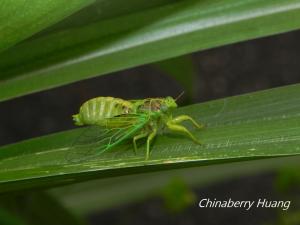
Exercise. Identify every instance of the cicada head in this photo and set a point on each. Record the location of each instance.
(168, 104)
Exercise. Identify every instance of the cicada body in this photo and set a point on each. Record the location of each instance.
(116, 120)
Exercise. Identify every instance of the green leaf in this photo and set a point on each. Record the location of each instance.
(292, 217)
(177, 195)
(21, 19)
(105, 9)
(103, 194)
(34, 207)
(8, 218)
(288, 178)
(258, 125)
(139, 38)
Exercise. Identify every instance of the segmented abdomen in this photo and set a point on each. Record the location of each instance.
(97, 109)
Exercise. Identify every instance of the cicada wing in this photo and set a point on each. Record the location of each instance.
(95, 140)
(85, 145)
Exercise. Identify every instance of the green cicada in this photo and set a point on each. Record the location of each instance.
(117, 120)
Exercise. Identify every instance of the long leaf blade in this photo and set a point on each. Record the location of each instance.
(103, 194)
(139, 38)
(252, 126)
(21, 19)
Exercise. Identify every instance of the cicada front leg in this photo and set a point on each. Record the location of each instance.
(150, 134)
(182, 118)
(174, 126)
(137, 137)
(149, 140)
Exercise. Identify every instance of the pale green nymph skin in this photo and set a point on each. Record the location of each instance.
(96, 110)
(142, 118)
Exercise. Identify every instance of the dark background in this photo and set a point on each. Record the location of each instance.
(226, 71)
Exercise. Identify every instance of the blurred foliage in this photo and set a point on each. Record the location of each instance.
(7, 218)
(36, 208)
(287, 183)
(288, 179)
(33, 15)
(289, 218)
(177, 195)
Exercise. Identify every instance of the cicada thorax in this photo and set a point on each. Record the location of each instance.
(96, 111)
(150, 105)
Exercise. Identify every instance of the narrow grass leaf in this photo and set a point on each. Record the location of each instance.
(252, 126)
(138, 38)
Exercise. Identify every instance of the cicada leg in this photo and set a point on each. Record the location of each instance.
(137, 137)
(182, 118)
(181, 129)
(149, 140)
